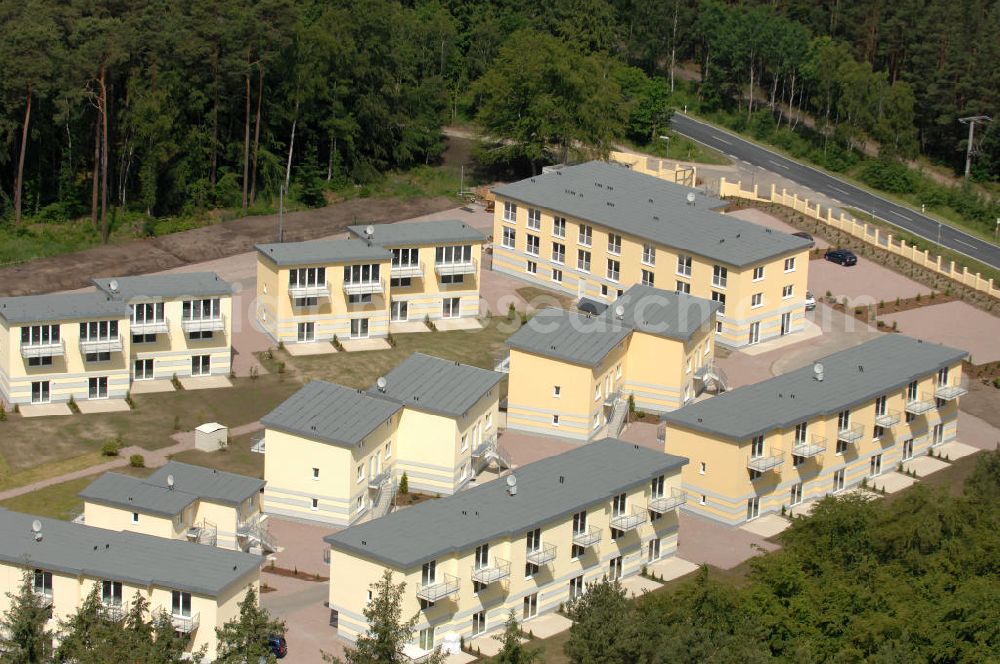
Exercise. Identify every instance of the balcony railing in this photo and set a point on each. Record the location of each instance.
(497, 570)
(432, 592)
(626, 522)
(809, 448)
(949, 392)
(664, 504)
(204, 324)
(888, 419)
(378, 480)
(766, 461)
(309, 290)
(363, 287)
(543, 555)
(484, 448)
(611, 398)
(148, 326)
(113, 612)
(408, 270)
(45, 599)
(186, 624)
(588, 537)
(105, 345)
(49, 349)
(851, 433)
(920, 406)
(461, 267)
(661, 432)
(503, 364)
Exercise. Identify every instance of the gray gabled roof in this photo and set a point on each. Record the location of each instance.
(662, 313)
(547, 490)
(570, 336)
(159, 286)
(422, 232)
(61, 307)
(144, 560)
(330, 413)
(650, 208)
(850, 377)
(319, 252)
(439, 386)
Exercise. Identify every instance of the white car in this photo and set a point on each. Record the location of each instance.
(810, 301)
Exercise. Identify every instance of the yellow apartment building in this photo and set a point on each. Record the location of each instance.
(370, 284)
(200, 587)
(595, 229)
(571, 373)
(817, 430)
(181, 501)
(527, 542)
(335, 454)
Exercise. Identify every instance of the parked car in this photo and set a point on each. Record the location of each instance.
(810, 301)
(806, 236)
(279, 647)
(842, 256)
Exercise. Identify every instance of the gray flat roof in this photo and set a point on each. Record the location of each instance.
(330, 413)
(569, 335)
(850, 377)
(149, 287)
(547, 490)
(650, 208)
(60, 307)
(215, 485)
(439, 386)
(316, 252)
(421, 232)
(662, 313)
(77, 549)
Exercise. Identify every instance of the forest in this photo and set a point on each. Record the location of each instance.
(156, 108)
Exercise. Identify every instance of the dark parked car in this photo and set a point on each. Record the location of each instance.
(842, 256)
(279, 647)
(806, 236)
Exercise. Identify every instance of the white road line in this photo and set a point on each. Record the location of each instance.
(900, 214)
(779, 165)
(965, 243)
(843, 191)
(721, 140)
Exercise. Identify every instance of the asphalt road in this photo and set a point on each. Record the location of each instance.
(844, 192)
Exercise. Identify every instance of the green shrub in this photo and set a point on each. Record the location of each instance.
(404, 484)
(111, 448)
(890, 175)
(996, 383)
(137, 461)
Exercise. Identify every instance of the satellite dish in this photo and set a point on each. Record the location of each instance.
(381, 383)
(36, 526)
(170, 481)
(619, 311)
(818, 370)
(369, 230)
(113, 284)
(511, 480)
(691, 198)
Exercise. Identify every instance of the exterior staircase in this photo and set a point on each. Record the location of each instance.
(204, 532)
(490, 451)
(618, 413)
(254, 532)
(712, 378)
(385, 498)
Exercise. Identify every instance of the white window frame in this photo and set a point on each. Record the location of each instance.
(758, 273)
(585, 236)
(756, 300)
(790, 264)
(787, 291)
(648, 254)
(532, 244)
(509, 239)
(510, 212)
(534, 219)
(559, 253)
(559, 227)
(684, 265)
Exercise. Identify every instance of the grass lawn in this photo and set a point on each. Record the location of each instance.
(58, 501)
(682, 148)
(237, 458)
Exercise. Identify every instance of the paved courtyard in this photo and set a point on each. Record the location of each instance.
(957, 324)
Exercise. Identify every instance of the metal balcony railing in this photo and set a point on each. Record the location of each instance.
(766, 461)
(186, 624)
(45, 599)
(204, 324)
(543, 555)
(809, 448)
(921, 405)
(497, 570)
(458, 267)
(888, 419)
(664, 504)
(48, 349)
(408, 270)
(485, 447)
(378, 480)
(309, 290)
(850, 434)
(432, 592)
(112, 612)
(611, 398)
(588, 537)
(105, 345)
(363, 287)
(626, 522)
(949, 392)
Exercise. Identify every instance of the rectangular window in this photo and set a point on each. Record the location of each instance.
(580, 523)
(43, 583)
(135, 517)
(531, 244)
(305, 277)
(315, 473)
(531, 267)
(656, 487)
(614, 270)
(880, 404)
(757, 300)
(721, 299)
(911, 391)
(99, 330)
(618, 505)
(753, 508)
(180, 604)
(558, 227)
(647, 278)
(583, 260)
(509, 237)
(43, 361)
(451, 307)
(360, 299)
(534, 219)
(576, 587)
(530, 606)
(39, 335)
(795, 496)
(478, 623)
(303, 302)
(648, 254)
(555, 420)
(758, 273)
(683, 287)
(509, 211)
(790, 264)
(787, 291)
(97, 387)
(111, 593)
(201, 365)
(557, 275)
(614, 243)
(556, 391)
(801, 430)
(838, 480)
(615, 568)
(683, 265)
(558, 252)
(427, 638)
(482, 556)
(757, 447)
(720, 276)
(207, 309)
(586, 235)
(359, 328)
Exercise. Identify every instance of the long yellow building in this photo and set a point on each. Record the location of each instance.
(199, 587)
(817, 430)
(595, 229)
(571, 374)
(335, 454)
(370, 284)
(93, 345)
(526, 542)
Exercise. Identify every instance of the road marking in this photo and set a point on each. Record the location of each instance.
(843, 191)
(900, 214)
(720, 139)
(779, 165)
(965, 243)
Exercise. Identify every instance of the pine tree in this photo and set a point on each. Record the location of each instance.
(23, 637)
(512, 651)
(247, 637)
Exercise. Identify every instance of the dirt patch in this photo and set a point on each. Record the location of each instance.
(983, 400)
(412, 498)
(864, 314)
(294, 573)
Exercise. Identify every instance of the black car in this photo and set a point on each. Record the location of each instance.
(278, 645)
(842, 256)
(806, 236)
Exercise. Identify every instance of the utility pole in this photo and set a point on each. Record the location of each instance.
(971, 121)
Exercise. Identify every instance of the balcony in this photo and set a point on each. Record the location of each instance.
(888, 419)
(148, 326)
(612, 398)
(48, 349)
(543, 555)
(664, 504)
(766, 461)
(497, 570)
(433, 592)
(809, 448)
(44, 598)
(627, 522)
(851, 433)
(104, 345)
(588, 537)
(204, 324)
(186, 624)
(949, 392)
(309, 290)
(378, 480)
(462, 267)
(484, 448)
(112, 612)
(369, 287)
(408, 270)
(920, 406)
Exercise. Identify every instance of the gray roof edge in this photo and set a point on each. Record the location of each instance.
(110, 502)
(278, 426)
